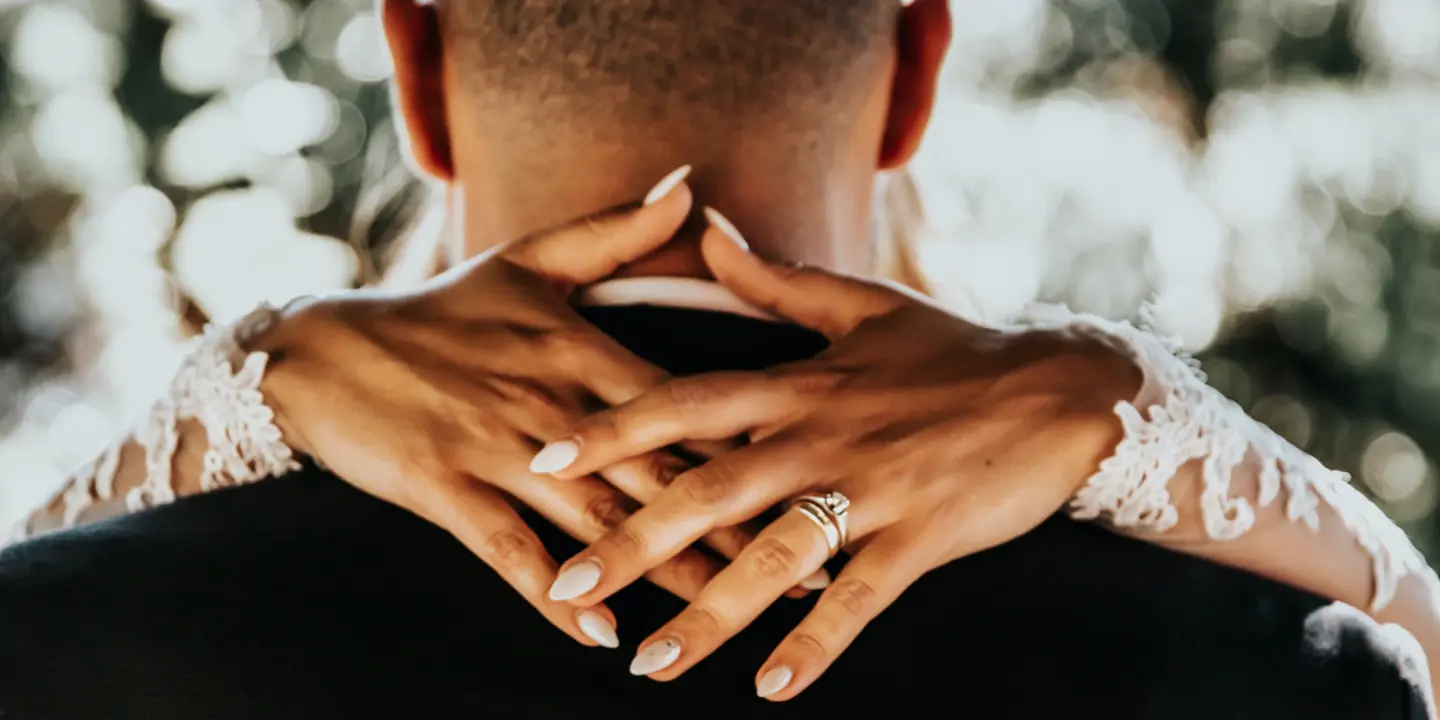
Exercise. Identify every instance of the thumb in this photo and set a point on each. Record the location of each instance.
(594, 248)
(826, 302)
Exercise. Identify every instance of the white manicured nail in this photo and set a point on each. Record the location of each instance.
(598, 628)
(774, 681)
(655, 657)
(577, 580)
(724, 225)
(667, 185)
(555, 457)
(817, 581)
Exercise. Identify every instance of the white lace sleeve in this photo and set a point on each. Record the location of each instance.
(245, 446)
(1179, 418)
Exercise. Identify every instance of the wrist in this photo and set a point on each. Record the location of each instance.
(280, 341)
(1101, 377)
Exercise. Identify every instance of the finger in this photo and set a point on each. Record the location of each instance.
(592, 249)
(645, 478)
(706, 407)
(642, 479)
(791, 549)
(869, 583)
(725, 492)
(610, 370)
(481, 520)
(587, 509)
(823, 301)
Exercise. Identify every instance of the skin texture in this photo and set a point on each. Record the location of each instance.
(950, 439)
(435, 400)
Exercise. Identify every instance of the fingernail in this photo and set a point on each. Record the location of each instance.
(819, 580)
(774, 681)
(667, 185)
(555, 457)
(597, 627)
(576, 580)
(724, 225)
(655, 657)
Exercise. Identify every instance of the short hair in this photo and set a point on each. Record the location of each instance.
(798, 63)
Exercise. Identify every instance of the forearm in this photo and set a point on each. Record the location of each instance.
(1347, 550)
(1196, 474)
(115, 483)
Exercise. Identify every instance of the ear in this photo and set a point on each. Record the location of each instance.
(412, 30)
(922, 39)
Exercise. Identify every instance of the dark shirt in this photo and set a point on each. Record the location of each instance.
(303, 598)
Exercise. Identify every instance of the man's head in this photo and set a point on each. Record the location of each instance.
(545, 109)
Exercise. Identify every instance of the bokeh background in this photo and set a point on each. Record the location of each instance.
(1268, 171)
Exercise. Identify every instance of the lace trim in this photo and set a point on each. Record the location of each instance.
(245, 446)
(1184, 419)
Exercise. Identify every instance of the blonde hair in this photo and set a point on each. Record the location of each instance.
(902, 228)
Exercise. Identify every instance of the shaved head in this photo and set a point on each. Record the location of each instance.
(702, 67)
(535, 112)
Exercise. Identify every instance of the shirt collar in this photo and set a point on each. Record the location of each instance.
(685, 293)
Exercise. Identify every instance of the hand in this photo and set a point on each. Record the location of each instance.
(437, 400)
(948, 439)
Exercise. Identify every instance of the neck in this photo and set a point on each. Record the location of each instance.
(817, 218)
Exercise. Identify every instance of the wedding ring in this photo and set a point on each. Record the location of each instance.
(830, 512)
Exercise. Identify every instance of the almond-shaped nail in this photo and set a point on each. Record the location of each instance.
(774, 681)
(597, 627)
(575, 581)
(655, 657)
(668, 184)
(726, 227)
(819, 580)
(555, 457)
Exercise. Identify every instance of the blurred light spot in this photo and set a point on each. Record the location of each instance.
(305, 183)
(280, 23)
(1287, 416)
(238, 248)
(86, 141)
(209, 146)
(47, 301)
(324, 21)
(57, 47)
(360, 50)
(221, 46)
(1393, 467)
(281, 117)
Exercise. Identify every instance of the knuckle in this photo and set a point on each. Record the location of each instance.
(853, 596)
(808, 643)
(703, 621)
(774, 559)
(732, 540)
(690, 570)
(599, 428)
(506, 548)
(686, 395)
(527, 393)
(566, 339)
(626, 543)
(606, 511)
(708, 485)
(665, 468)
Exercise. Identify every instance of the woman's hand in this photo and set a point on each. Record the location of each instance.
(947, 438)
(437, 400)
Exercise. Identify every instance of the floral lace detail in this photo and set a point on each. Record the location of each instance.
(245, 446)
(1179, 418)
